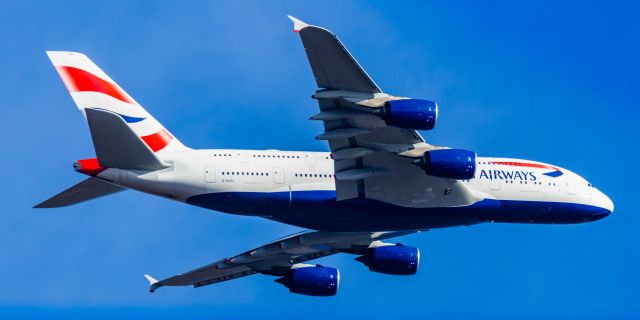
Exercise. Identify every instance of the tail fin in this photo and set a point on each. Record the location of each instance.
(91, 88)
(88, 189)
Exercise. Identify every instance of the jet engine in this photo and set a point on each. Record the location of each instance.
(410, 113)
(392, 259)
(449, 163)
(311, 280)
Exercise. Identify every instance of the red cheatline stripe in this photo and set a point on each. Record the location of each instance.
(78, 80)
(158, 140)
(526, 164)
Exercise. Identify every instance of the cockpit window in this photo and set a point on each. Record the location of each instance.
(589, 184)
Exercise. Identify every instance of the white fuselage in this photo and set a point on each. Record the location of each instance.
(231, 175)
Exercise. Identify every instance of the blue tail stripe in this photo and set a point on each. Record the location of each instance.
(127, 119)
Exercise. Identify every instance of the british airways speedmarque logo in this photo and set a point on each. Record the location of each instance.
(508, 175)
(518, 174)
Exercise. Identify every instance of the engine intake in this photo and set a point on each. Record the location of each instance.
(396, 260)
(414, 114)
(449, 163)
(312, 280)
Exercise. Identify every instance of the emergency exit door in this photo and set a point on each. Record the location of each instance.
(278, 175)
(209, 174)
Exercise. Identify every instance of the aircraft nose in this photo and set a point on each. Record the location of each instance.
(608, 203)
(603, 202)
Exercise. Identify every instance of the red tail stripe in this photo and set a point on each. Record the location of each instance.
(526, 164)
(78, 80)
(158, 140)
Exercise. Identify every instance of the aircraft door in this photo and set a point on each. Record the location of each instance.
(209, 174)
(495, 184)
(310, 159)
(571, 187)
(278, 175)
(243, 157)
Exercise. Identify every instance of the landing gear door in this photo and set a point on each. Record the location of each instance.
(278, 175)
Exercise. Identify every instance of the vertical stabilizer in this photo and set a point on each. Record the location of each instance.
(91, 88)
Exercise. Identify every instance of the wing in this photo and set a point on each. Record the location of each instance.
(332, 64)
(372, 159)
(277, 257)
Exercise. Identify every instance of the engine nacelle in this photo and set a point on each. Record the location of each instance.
(449, 163)
(312, 280)
(410, 113)
(396, 260)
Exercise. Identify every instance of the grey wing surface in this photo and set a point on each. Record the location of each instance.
(86, 190)
(277, 257)
(372, 159)
(332, 65)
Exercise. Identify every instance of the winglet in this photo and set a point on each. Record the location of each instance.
(152, 283)
(297, 24)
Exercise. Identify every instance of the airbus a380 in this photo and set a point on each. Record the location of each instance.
(380, 180)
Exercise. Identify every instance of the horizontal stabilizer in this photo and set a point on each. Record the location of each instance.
(116, 145)
(86, 190)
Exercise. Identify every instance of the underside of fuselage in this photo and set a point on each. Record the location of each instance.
(319, 210)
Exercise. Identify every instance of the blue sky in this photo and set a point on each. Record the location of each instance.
(544, 81)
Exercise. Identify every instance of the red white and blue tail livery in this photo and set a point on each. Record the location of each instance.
(380, 180)
(91, 88)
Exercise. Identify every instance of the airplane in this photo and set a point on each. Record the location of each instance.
(379, 181)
